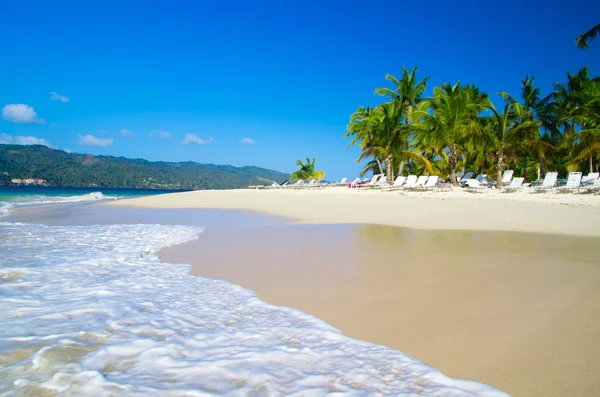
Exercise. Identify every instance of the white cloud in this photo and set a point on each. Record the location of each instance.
(248, 141)
(163, 134)
(193, 138)
(24, 140)
(90, 140)
(5, 138)
(20, 113)
(67, 150)
(128, 133)
(55, 97)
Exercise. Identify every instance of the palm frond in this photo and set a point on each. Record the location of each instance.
(582, 40)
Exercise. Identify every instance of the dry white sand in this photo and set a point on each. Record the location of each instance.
(572, 214)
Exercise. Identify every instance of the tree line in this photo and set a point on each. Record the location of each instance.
(85, 170)
(458, 128)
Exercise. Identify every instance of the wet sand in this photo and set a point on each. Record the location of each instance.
(518, 311)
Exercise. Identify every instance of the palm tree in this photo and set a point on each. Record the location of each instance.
(531, 107)
(455, 116)
(503, 136)
(582, 40)
(307, 170)
(381, 134)
(588, 138)
(564, 113)
(362, 131)
(408, 92)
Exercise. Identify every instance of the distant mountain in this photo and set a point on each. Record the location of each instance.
(60, 168)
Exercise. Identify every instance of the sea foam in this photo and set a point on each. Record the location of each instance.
(42, 199)
(92, 311)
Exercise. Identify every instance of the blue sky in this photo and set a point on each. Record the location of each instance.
(282, 76)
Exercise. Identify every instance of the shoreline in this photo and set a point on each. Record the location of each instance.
(500, 308)
(575, 215)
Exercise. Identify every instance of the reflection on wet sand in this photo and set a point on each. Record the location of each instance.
(518, 311)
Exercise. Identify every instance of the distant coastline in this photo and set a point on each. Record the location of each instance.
(40, 165)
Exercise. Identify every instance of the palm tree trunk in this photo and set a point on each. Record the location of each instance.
(452, 162)
(403, 163)
(500, 170)
(389, 169)
(591, 164)
(524, 166)
(379, 164)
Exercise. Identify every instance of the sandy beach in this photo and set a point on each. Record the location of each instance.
(568, 214)
(506, 284)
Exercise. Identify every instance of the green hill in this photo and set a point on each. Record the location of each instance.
(60, 168)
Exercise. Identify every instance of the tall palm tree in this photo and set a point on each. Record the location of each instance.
(503, 135)
(455, 116)
(532, 106)
(362, 130)
(390, 137)
(588, 138)
(582, 40)
(307, 170)
(568, 100)
(408, 92)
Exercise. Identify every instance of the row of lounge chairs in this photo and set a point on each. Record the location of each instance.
(575, 183)
(411, 182)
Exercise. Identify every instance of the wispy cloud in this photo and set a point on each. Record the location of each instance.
(67, 150)
(128, 133)
(193, 138)
(159, 133)
(163, 134)
(90, 140)
(21, 113)
(55, 97)
(24, 140)
(248, 141)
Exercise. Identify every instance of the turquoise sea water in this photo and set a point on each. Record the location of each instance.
(18, 196)
(23, 193)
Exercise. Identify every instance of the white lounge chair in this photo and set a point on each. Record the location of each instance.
(342, 182)
(410, 183)
(590, 178)
(514, 185)
(430, 184)
(593, 188)
(507, 176)
(465, 178)
(296, 185)
(548, 183)
(473, 186)
(421, 181)
(381, 182)
(371, 182)
(573, 183)
(397, 183)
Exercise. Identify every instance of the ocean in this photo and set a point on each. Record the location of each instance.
(91, 310)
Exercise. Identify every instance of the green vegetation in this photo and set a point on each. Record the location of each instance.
(582, 40)
(307, 170)
(84, 170)
(460, 129)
